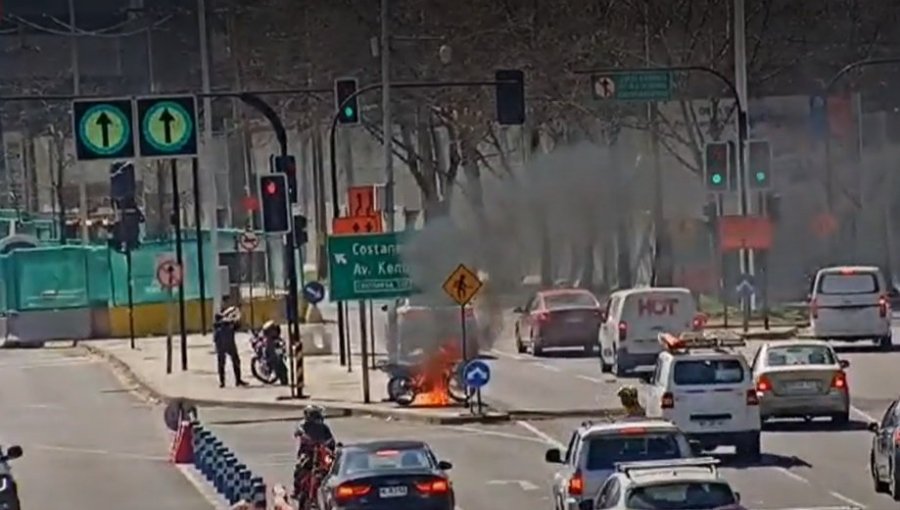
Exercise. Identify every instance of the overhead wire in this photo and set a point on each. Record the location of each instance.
(77, 32)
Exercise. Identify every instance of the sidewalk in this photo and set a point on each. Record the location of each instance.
(327, 383)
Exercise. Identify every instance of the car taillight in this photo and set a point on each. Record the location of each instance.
(346, 492)
(883, 306)
(435, 486)
(814, 309)
(763, 384)
(576, 484)
(752, 398)
(542, 317)
(839, 381)
(667, 401)
(697, 323)
(623, 330)
(897, 438)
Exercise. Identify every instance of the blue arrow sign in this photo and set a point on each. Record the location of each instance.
(314, 292)
(477, 373)
(746, 287)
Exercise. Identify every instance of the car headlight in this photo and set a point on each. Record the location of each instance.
(5, 483)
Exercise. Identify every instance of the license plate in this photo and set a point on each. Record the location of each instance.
(803, 386)
(573, 319)
(711, 423)
(392, 492)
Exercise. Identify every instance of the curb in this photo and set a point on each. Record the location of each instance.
(332, 409)
(587, 414)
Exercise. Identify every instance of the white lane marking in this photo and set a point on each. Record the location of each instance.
(590, 379)
(495, 433)
(548, 367)
(203, 488)
(525, 485)
(95, 451)
(862, 413)
(847, 500)
(547, 438)
(791, 474)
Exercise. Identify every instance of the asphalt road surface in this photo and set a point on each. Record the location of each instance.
(89, 444)
(502, 465)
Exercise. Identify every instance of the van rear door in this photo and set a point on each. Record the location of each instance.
(847, 301)
(653, 311)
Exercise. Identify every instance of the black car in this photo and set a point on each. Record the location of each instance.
(885, 454)
(9, 491)
(387, 475)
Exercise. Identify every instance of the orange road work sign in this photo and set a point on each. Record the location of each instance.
(745, 232)
(357, 225)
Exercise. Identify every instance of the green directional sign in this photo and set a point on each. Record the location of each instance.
(367, 266)
(103, 129)
(634, 86)
(168, 126)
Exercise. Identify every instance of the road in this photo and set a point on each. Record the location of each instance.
(88, 443)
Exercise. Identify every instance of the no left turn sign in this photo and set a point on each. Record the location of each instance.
(249, 241)
(168, 274)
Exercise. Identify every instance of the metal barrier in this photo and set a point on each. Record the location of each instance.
(220, 466)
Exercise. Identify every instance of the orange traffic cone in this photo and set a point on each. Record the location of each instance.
(182, 451)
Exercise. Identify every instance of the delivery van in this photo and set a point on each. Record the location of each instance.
(633, 320)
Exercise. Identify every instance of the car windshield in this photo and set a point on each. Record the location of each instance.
(607, 450)
(708, 371)
(358, 461)
(800, 355)
(851, 283)
(570, 300)
(681, 496)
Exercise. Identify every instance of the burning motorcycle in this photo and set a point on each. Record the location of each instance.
(259, 362)
(439, 376)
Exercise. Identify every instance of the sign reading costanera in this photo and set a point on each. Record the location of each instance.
(368, 266)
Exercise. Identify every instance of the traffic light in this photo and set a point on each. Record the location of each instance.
(287, 165)
(275, 206)
(760, 165)
(344, 88)
(510, 97)
(122, 184)
(716, 166)
(300, 235)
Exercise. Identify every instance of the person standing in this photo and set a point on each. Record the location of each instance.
(224, 328)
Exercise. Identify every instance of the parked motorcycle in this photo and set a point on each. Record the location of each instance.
(259, 363)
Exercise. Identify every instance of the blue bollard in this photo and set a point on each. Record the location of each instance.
(258, 496)
(211, 449)
(219, 475)
(230, 484)
(244, 487)
(201, 454)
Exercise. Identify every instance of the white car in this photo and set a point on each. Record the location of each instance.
(850, 303)
(706, 389)
(662, 485)
(426, 321)
(595, 448)
(632, 320)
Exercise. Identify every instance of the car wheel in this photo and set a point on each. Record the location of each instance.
(604, 366)
(880, 487)
(748, 448)
(885, 343)
(520, 347)
(841, 418)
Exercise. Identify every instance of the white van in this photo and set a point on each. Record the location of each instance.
(632, 321)
(850, 303)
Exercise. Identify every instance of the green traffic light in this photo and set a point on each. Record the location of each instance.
(716, 179)
(760, 176)
(348, 112)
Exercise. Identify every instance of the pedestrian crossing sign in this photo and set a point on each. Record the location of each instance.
(462, 285)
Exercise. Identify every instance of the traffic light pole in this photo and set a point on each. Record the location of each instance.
(179, 259)
(332, 141)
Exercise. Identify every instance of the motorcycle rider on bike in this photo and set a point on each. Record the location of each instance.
(311, 432)
(271, 333)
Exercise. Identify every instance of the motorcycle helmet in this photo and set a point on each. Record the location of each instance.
(314, 414)
(271, 328)
(231, 314)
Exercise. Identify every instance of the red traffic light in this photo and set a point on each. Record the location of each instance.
(271, 188)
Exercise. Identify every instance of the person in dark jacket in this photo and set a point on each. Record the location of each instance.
(224, 328)
(310, 433)
(271, 331)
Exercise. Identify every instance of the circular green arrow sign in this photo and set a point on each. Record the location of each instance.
(167, 126)
(104, 129)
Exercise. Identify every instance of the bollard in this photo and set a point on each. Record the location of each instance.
(208, 454)
(219, 468)
(213, 459)
(244, 488)
(258, 498)
(230, 484)
(201, 454)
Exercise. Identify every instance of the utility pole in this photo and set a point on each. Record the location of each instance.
(388, 136)
(663, 260)
(213, 190)
(76, 90)
(740, 83)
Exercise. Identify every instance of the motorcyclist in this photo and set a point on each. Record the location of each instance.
(271, 333)
(225, 326)
(311, 432)
(628, 396)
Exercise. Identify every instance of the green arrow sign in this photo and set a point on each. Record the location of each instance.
(168, 126)
(103, 129)
(367, 267)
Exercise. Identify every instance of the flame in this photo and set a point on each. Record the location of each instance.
(434, 378)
